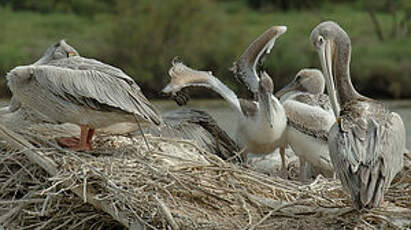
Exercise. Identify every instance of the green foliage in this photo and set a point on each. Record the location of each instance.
(150, 33)
(26, 35)
(3, 88)
(81, 7)
(284, 4)
(142, 38)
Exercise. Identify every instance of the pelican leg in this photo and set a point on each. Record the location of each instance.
(68, 141)
(83, 145)
(78, 144)
(284, 173)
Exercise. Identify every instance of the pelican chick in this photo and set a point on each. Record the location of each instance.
(367, 142)
(260, 123)
(309, 119)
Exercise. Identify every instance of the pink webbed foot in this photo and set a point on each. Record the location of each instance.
(68, 142)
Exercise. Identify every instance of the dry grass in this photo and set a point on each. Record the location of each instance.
(177, 185)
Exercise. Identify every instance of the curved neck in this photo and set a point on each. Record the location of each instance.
(345, 90)
(225, 92)
(288, 95)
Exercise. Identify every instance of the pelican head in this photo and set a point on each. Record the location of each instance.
(265, 91)
(306, 80)
(326, 38)
(57, 51)
(183, 76)
(265, 85)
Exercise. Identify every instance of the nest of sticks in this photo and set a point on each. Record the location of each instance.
(170, 184)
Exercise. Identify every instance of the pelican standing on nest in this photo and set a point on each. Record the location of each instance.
(368, 141)
(261, 122)
(82, 91)
(309, 119)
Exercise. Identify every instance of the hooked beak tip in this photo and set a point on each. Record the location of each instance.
(167, 90)
(282, 29)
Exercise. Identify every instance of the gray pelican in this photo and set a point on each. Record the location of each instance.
(57, 51)
(184, 123)
(309, 118)
(82, 91)
(367, 142)
(261, 122)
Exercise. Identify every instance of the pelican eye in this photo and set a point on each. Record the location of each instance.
(320, 40)
(70, 54)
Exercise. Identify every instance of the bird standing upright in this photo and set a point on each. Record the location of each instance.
(368, 141)
(82, 91)
(309, 119)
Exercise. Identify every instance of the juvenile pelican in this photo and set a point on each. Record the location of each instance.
(82, 91)
(261, 123)
(309, 118)
(368, 141)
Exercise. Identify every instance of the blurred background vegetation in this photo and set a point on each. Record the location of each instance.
(143, 36)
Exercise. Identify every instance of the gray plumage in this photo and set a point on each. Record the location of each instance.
(321, 100)
(312, 124)
(82, 63)
(107, 85)
(368, 141)
(245, 68)
(88, 97)
(367, 148)
(197, 125)
(77, 84)
(309, 119)
(261, 122)
(58, 51)
(253, 125)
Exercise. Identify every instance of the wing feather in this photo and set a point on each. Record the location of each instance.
(197, 125)
(318, 100)
(367, 153)
(244, 68)
(96, 89)
(82, 63)
(308, 116)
